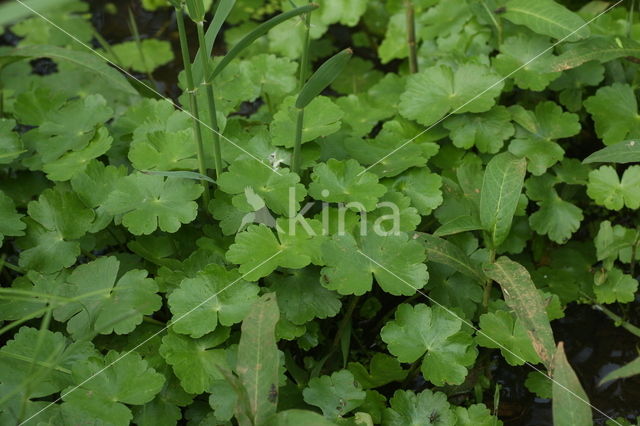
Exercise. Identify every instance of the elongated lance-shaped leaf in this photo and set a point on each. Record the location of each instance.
(459, 224)
(571, 405)
(82, 59)
(257, 33)
(442, 251)
(523, 297)
(501, 188)
(595, 48)
(628, 370)
(323, 77)
(621, 153)
(222, 12)
(258, 358)
(547, 17)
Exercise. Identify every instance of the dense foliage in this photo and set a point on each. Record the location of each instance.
(362, 209)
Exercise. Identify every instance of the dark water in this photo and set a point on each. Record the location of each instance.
(594, 345)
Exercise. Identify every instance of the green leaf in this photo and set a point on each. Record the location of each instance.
(615, 112)
(537, 132)
(618, 287)
(547, 17)
(296, 417)
(501, 188)
(628, 370)
(195, 361)
(436, 91)
(115, 381)
(476, 415)
(10, 144)
(621, 153)
(335, 395)
(346, 182)
(75, 162)
(11, 224)
(502, 330)
(613, 242)
(523, 297)
(459, 224)
(52, 364)
(72, 127)
(301, 298)
(426, 408)
(422, 186)
(58, 217)
(259, 252)
(258, 32)
(106, 306)
(524, 54)
(442, 251)
(196, 11)
(148, 202)
(606, 188)
(321, 118)
(397, 264)
(12, 12)
(571, 405)
(487, 131)
(383, 369)
(85, 60)
(596, 48)
(156, 54)
(437, 332)
(214, 296)
(557, 218)
(323, 77)
(164, 151)
(180, 174)
(258, 365)
(278, 190)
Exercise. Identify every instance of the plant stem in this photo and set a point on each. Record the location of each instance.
(193, 103)
(618, 319)
(296, 159)
(411, 36)
(634, 254)
(297, 147)
(488, 285)
(630, 23)
(136, 35)
(217, 153)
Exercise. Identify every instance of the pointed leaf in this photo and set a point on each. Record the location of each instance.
(621, 153)
(501, 188)
(570, 402)
(547, 17)
(257, 33)
(258, 358)
(442, 251)
(628, 370)
(523, 297)
(323, 77)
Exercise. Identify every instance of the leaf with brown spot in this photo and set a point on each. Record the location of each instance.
(258, 358)
(523, 297)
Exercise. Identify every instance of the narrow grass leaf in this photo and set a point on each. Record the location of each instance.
(323, 77)
(261, 30)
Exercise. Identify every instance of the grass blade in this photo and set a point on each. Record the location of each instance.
(323, 77)
(257, 33)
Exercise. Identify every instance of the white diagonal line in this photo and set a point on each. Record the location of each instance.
(488, 337)
(163, 329)
(95, 52)
(490, 87)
